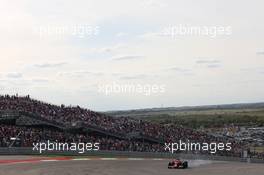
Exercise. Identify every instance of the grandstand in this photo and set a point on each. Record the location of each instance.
(24, 120)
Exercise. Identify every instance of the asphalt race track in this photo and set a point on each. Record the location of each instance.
(122, 167)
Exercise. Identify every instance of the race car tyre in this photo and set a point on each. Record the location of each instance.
(185, 164)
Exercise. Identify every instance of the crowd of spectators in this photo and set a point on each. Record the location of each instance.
(122, 125)
(19, 136)
(70, 115)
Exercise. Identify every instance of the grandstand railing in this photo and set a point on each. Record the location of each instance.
(7, 115)
(38, 117)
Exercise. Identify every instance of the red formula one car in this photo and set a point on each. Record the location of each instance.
(177, 164)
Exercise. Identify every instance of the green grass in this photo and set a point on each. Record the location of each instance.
(207, 118)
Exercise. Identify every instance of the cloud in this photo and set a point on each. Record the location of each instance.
(14, 75)
(107, 49)
(121, 34)
(253, 69)
(154, 3)
(40, 80)
(80, 73)
(214, 65)
(209, 63)
(206, 61)
(50, 65)
(260, 53)
(151, 35)
(182, 71)
(141, 76)
(127, 57)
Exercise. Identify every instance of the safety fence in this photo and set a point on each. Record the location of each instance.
(29, 151)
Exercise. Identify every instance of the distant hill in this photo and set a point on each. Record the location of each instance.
(246, 114)
(188, 108)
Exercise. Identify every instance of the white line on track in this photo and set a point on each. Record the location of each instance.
(136, 159)
(52, 160)
(82, 159)
(157, 159)
(108, 159)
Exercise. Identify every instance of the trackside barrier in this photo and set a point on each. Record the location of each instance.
(28, 151)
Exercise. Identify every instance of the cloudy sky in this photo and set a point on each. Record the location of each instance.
(65, 51)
